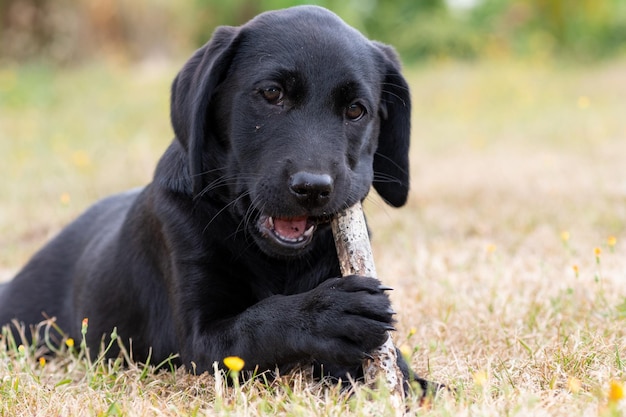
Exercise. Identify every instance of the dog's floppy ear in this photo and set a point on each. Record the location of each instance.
(192, 91)
(391, 161)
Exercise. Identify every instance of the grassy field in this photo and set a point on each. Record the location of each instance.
(509, 262)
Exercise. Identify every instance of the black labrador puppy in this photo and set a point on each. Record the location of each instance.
(280, 124)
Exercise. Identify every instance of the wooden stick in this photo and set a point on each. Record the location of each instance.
(355, 257)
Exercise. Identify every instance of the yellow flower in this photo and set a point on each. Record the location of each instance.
(573, 385)
(616, 391)
(65, 199)
(84, 325)
(583, 102)
(564, 236)
(42, 361)
(597, 252)
(69, 342)
(611, 241)
(234, 363)
(491, 248)
(412, 331)
(480, 378)
(576, 270)
(81, 159)
(405, 350)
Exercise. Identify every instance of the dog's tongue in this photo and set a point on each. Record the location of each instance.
(291, 228)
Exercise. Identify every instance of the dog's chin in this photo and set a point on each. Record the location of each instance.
(287, 237)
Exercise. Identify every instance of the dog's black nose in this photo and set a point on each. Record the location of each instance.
(311, 190)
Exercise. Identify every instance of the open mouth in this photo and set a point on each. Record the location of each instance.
(293, 232)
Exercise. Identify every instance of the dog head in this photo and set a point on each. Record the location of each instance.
(290, 119)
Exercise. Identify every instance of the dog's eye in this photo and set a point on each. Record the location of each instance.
(355, 111)
(273, 95)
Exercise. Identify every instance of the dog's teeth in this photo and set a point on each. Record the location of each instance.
(269, 225)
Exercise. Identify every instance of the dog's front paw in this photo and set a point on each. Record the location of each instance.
(347, 319)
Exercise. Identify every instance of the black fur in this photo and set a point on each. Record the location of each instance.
(293, 115)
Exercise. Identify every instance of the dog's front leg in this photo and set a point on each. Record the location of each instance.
(339, 323)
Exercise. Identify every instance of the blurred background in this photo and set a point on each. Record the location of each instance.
(511, 98)
(70, 31)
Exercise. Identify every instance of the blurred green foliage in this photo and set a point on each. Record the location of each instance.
(66, 31)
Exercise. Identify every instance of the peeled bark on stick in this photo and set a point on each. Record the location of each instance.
(355, 257)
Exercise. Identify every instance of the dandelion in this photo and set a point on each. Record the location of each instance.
(576, 270)
(583, 102)
(83, 332)
(616, 391)
(565, 236)
(81, 159)
(491, 248)
(69, 342)
(480, 378)
(611, 241)
(405, 350)
(412, 331)
(234, 363)
(573, 385)
(42, 361)
(65, 199)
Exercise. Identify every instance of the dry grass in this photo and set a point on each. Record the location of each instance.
(505, 159)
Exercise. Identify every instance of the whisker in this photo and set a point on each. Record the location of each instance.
(387, 158)
(225, 181)
(396, 96)
(230, 204)
(247, 217)
(210, 171)
(398, 86)
(376, 202)
(387, 179)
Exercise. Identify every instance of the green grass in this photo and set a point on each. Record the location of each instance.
(505, 158)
